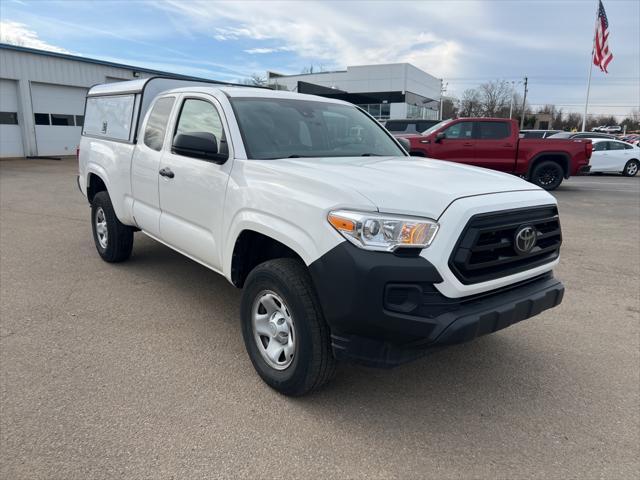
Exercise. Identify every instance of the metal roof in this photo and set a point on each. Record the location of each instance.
(76, 58)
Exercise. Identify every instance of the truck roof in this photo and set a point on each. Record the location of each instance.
(154, 86)
(252, 92)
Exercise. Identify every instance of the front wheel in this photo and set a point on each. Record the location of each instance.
(631, 168)
(547, 175)
(113, 239)
(284, 331)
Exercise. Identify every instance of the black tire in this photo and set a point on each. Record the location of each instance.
(312, 363)
(547, 174)
(119, 239)
(631, 168)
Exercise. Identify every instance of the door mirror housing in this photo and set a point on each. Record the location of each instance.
(203, 145)
(440, 136)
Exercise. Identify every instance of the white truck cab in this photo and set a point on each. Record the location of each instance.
(345, 246)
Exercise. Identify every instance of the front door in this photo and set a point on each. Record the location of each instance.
(192, 190)
(458, 144)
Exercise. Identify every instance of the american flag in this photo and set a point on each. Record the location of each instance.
(602, 56)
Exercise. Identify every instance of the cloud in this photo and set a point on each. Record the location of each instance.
(16, 33)
(253, 51)
(335, 34)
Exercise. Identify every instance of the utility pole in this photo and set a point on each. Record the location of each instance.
(513, 94)
(524, 102)
(443, 89)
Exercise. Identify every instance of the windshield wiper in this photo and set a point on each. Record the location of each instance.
(371, 155)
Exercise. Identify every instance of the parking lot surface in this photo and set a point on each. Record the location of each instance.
(138, 370)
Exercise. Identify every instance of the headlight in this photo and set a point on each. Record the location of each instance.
(374, 231)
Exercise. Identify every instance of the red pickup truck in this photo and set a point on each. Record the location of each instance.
(495, 143)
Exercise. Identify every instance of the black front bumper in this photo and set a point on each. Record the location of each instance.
(383, 309)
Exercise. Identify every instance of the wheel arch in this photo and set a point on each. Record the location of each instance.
(95, 183)
(559, 157)
(250, 249)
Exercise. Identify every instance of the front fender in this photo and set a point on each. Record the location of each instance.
(308, 245)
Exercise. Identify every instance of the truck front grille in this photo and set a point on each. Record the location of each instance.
(486, 249)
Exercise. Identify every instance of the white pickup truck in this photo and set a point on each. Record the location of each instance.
(345, 246)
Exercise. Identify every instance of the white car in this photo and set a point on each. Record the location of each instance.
(344, 245)
(614, 156)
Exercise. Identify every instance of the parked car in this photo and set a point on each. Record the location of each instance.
(494, 143)
(587, 135)
(409, 125)
(537, 133)
(345, 247)
(611, 129)
(633, 139)
(614, 156)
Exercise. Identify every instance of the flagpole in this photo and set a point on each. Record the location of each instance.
(586, 103)
(593, 46)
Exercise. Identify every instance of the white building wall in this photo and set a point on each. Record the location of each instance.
(395, 77)
(28, 69)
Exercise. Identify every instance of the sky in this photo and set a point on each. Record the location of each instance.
(465, 42)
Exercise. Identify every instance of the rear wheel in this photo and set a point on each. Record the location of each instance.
(631, 168)
(113, 239)
(284, 331)
(547, 174)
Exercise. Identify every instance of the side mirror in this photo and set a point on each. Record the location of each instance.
(202, 145)
(406, 144)
(440, 136)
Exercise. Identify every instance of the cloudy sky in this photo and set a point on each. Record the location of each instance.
(466, 42)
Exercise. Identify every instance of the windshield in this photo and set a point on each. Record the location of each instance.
(284, 128)
(437, 126)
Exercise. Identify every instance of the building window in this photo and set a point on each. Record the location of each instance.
(41, 118)
(62, 120)
(381, 111)
(8, 118)
(79, 120)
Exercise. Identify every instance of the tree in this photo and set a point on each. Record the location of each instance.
(495, 97)
(470, 103)
(255, 80)
(449, 107)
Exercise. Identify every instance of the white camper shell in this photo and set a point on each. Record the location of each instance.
(114, 110)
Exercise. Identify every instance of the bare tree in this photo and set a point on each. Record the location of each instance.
(470, 103)
(255, 80)
(496, 97)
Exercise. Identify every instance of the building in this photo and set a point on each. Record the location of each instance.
(42, 96)
(397, 90)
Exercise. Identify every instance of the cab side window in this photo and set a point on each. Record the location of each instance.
(492, 130)
(198, 118)
(460, 131)
(157, 123)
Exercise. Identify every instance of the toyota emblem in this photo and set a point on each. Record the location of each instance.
(525, 239)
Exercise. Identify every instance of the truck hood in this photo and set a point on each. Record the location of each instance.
(404, 185)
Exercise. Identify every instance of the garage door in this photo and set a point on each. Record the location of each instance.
(58, 116)
(10, 133)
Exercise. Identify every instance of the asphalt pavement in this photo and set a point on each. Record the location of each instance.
(138, 370)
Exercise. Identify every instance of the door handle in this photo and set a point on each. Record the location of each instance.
(166, 172)
(467, 144)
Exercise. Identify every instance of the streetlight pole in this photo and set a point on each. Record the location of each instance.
(443, 89)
